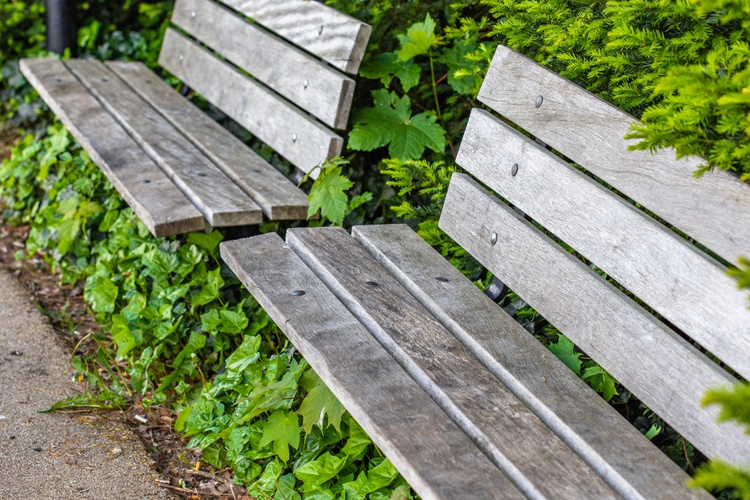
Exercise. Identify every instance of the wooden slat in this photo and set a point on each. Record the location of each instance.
(539, 463)
(659, 267)
(334, 37)
(276, 195)
(665, 372)
(152, 196)
(381, 397)
(590, 426)
(220, 201)
(715, 209)
(296, 137)
(308, 83)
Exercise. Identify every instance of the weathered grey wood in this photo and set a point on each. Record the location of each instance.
(298, 138)
(539, 463)
(334, 37)
(308, 83)
(276, 195)
(610, 444)
(383, 399)
(220, 201)
(152, 196)
(715, 209)
(659, 267)
(665, 372)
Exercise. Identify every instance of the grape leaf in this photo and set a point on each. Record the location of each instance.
(418, 40)
(388, 66)
(281, 429)
(564, 349)
(328, 195)
(391, 122)
(601, 381)
(319, 403)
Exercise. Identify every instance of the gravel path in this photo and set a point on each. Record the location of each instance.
(57, 456)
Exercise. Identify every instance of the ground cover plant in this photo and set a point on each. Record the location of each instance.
(181, 333)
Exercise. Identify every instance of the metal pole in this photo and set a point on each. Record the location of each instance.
(62, 30)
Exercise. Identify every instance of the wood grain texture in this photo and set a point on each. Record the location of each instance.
(538, 462)
(220, 201)
(618, 452)
(660, 368)
(334, 37)
(298, 138)
(152, 196)
(715, 209)
(276, 195)
(670, 275)
(313, 86)
(383, 399)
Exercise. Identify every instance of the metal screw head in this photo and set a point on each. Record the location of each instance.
(294, 137)
(182, 58)
(193, 14)
(320, 31)
(146, 181)
(539, 101)
(371, 283)
(305, 83)
(441, 279)
(493, 238)
(514, 169)
(298, 293)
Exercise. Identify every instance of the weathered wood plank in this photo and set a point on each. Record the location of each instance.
(298, 138)
(665, 372)
(609, 444)
(381, 397)
(659, 267)
(539, 463)
(152, 196)
(276, 195)
(308, 83)
(334, 37)
(220, 201)
(715, 209)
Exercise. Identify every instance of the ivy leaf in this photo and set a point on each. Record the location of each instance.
(245, 355)
(391, 122)
(601, 381)
(319, 403)
(388, 66)
(281, 429)
(233, 322)
(564, 349)
(328, 195)
(122, 335)
(101, 293)
(358, 441)
(418, 40)
(208, 242)
(320, 470)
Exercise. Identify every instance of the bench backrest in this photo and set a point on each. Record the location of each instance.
(279, 91)
(659, 236)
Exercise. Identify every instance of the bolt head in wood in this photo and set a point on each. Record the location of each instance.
(193, 14)
(298, 293)
(320, 31)
(493, 239)
(182, 58)
(306, 83)
(372, 283)
(294, 137)
(514, 169)
(441, 279)
(539, 101)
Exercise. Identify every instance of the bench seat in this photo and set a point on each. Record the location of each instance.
(175, 166)
(642, 290)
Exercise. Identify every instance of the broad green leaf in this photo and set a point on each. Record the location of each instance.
(601, 381)
(232, 321)
(358, 441)
(419, 39)
(282, 430)
(208, 242)
(245, 355)
(122, 336)
(286, 488)
(211, 321)
(320, 470)
(101, 293)
(564, 349)
(319, 404)
(391, 122)
(66, 235)
(328, 195)
(195, 343)
(387, 66)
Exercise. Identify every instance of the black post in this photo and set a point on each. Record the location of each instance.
(62, 30)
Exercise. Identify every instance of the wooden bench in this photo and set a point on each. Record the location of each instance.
(461, 398)
(279, 76)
